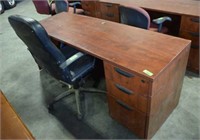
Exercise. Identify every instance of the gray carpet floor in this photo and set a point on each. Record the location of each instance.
(30, 90)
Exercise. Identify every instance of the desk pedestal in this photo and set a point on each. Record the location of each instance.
(140, 104)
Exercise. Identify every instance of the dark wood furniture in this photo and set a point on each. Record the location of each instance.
(144, 70)
(186, 10)
(11, 125)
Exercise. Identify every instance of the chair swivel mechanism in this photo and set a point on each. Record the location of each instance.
(44, 7)
(138, 17)
(65, 6)
(71, 67)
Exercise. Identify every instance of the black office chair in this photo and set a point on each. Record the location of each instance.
(70, 68)
(138, 17)
(65, 6)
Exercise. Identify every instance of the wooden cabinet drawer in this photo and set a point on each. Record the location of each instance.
(189, 23)
(109, 11)
(190, 30)
(127, 96)
(127, 116)
(89, 7)
(126, 79)
(194, 36)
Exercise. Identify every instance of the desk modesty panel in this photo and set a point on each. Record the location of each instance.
(144, 70)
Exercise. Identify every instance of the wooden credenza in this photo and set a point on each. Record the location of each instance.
(189, 29)
(103, 10)
(144, 70)
(189, 26)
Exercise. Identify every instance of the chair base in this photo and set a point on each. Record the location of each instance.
(77, 98)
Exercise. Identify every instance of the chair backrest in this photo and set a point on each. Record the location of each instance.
(45, 53)
(61, 6)
(134, 16)
(42, 6)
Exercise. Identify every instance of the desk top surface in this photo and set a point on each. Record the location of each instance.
(180, 7)
(128, 47)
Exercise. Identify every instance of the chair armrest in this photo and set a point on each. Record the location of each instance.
(51, 2)
(161, 20)
(72, 59)
(74, 4)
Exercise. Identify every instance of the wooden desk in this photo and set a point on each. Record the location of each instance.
(11, 125)
(186, 10)
(138, 100)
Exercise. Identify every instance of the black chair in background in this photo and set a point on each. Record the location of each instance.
(70, 68)
(138, 17)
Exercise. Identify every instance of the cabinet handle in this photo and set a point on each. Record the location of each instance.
(125, 90)
(194, 34)
(108, 5)
(126, 74)
(124, 105)
(110, 15)
(195, 20)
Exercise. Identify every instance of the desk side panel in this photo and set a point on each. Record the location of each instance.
(11, 125)
(166, 91)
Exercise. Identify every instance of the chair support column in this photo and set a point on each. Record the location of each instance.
(77, 96)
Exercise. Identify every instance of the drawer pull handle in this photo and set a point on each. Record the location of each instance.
(126, 74)
(108, 5)
(195, 20)
(110, 15)
(127, 91)
(195, 46)
(195, 34)
(124, 105)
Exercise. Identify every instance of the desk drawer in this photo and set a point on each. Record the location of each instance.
(127, 116)
(193, 60)
(189, 23)
(127, 96)
(128, 80)
(109, 11)
(190, 30)
(89, 8)
(194, 36)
